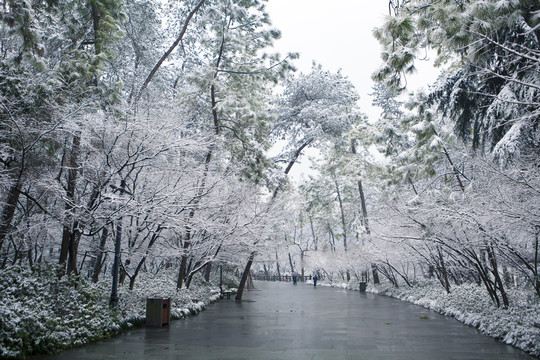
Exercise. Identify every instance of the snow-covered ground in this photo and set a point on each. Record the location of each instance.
(41, 314)
(519, 325)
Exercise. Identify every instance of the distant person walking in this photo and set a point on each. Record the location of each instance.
(315, 278)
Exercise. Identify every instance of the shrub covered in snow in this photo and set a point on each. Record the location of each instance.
(519, 325)
(41, 313)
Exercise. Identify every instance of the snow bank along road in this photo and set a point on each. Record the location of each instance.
(284, 321)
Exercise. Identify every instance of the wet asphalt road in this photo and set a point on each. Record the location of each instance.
(284, 321)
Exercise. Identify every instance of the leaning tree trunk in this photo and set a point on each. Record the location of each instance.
(291, 263)
(366, 226)
(100, 254)
(342, 213)
(443, 271)
(495, 271)
(183, 262)
(169, 51)
(133, 277)
(274, 195)
(244, 278)
(364, 208)
(343, 223)
(277, 267)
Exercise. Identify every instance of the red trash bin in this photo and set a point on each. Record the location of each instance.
(166, 313)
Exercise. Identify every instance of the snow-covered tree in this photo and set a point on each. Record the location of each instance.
(228, 91)
(491, 49)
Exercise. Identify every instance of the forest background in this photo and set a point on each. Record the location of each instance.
(146, 126)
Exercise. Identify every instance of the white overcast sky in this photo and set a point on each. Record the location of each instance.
(338, 35)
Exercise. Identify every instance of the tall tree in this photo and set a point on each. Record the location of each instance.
(313, 110)
(105, 16)
(491, 49)
(234, 79)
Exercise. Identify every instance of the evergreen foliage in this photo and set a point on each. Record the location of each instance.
(491, 49)
(42, 314)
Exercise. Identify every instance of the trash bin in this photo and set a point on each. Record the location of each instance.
(363, 287)
(158, 311)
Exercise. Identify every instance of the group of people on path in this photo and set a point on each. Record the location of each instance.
(295, 279)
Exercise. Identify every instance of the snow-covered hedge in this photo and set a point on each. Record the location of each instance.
(519, 325)
(41, 313)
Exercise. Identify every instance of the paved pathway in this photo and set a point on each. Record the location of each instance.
(284, 321)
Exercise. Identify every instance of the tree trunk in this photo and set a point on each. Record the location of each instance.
(343, 223)
(183, 261)
(187, 242)
(488, 284)
(443, 271)
(431, 271)
(302, 270)
(100, 254)
(244, 278)
(274, 195)
(454, 170)
(70, 236)
(366, 226)
(188, 280)
(141, 263)
(5, 259)
(412, 185)
(136, 272)
(332, 239)
(68, 249)
(315, 241)
(30, 260)
(291, 263)
(123, 275)
(74, 248)
(495, 271)
(479, 263)
(375, 274)
(536, 279)
(250, 284)
(207, 272)
(9, 210)
(342, 213)
(277, 267)
(266, 274)
(168, 52)
(295, 157)
(364, 208)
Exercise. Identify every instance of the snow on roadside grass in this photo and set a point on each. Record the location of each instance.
(519, 325)
(41, 314)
